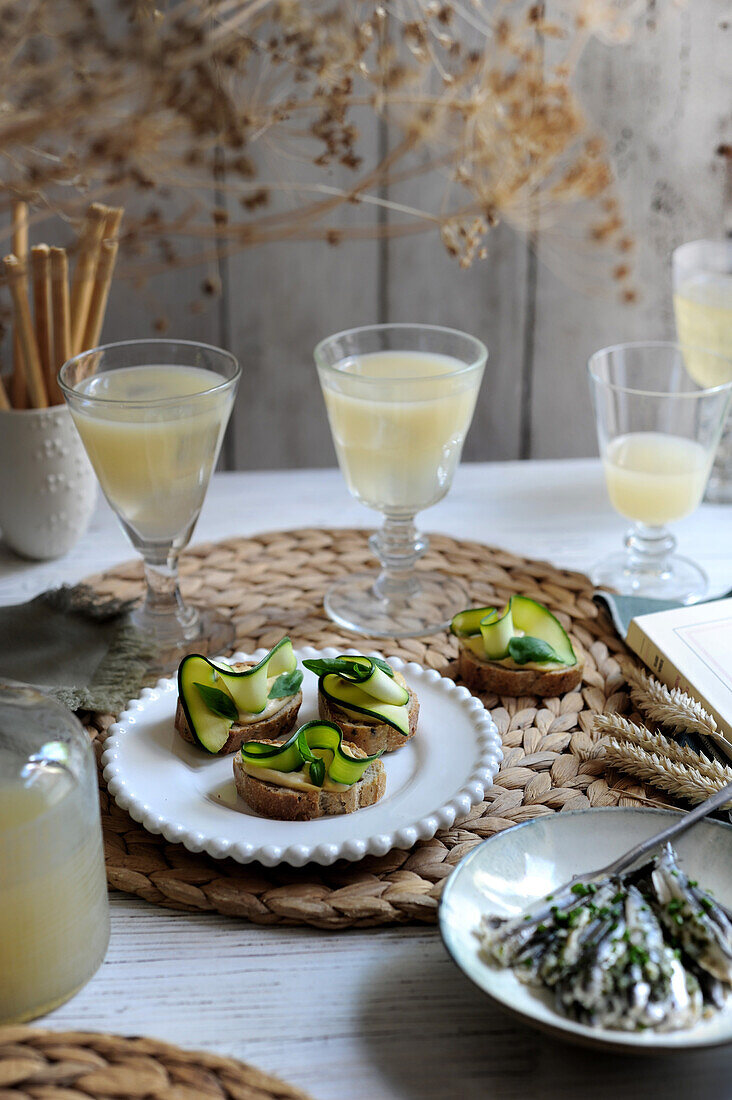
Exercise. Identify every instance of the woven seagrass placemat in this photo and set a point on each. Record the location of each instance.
(72, 1065)
(273, 584)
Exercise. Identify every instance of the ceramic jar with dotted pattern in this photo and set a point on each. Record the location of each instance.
(48, 488)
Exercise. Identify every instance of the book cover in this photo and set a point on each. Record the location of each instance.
(691, 648)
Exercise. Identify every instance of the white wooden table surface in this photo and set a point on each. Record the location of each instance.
(379, 1013)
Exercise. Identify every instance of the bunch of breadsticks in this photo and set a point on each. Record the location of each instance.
(64, 320)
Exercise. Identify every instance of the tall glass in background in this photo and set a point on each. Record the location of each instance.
(54, 914)
(658, 431)
(400, 399)
(152, 415)
(702, 277)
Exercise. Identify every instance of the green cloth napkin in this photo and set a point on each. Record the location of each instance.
(76, 645)
(622, 609)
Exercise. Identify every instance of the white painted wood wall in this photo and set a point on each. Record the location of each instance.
(664, 104)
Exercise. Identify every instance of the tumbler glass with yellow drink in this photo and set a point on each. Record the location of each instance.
(702, 274)
(54, 915)
(658, 431)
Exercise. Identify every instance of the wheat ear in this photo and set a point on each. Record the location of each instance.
(677, 779)
(672, 708)
(624, 731)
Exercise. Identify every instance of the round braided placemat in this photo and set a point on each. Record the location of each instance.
(273, 584)
(74, 1065)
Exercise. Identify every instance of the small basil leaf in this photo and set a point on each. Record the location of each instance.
(218, 702)
(303, 748)
(383, 666)
(341, 666)
(317, 772)
(287, 683)
(531, 649)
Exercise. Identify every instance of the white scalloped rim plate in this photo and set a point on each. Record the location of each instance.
(173, 788)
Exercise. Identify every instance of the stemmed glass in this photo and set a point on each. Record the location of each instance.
(702, 275)
(658, 431)
(400, 399)
(152, 415)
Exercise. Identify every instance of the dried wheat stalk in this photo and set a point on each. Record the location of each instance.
(681, 780)
(672, 708)
(624, 732)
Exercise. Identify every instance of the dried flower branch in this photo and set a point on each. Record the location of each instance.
(212, 105)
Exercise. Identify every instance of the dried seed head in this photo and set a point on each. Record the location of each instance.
(267, 102)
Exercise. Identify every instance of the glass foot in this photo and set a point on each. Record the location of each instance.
(676, 579)
(435, 598)
(202, 631)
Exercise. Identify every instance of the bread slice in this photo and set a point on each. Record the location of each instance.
(282, 721)
(371, 736)
(488, 676)
(287, 804)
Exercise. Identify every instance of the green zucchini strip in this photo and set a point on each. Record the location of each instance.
(489, 634)
(497, 631)
(352, 700)
(372, 681)
(248, 688)
(467, 623)
(204, 687)
(298, 750)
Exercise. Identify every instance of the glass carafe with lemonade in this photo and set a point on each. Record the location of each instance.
(152, 415)
(400, 399)
(702, 275)
(658, 430)
(54, 915)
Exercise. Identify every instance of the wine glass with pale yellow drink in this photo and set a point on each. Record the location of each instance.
(702, 275)
(658, 430)
(400, 399)
(152, 415)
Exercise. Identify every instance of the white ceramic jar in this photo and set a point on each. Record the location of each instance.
(48, 488)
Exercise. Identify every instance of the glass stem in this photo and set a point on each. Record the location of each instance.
(398, 547)
(649, 548)
(163, 605)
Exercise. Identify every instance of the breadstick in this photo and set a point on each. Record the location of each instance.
(86, 265)
(41, 276)
(15, 272)
(61, 314)
(113, 222)
(102, 283)
(18, 384)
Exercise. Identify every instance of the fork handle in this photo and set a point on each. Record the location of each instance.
(715, 802)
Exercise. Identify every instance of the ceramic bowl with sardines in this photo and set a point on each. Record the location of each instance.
(641, 959)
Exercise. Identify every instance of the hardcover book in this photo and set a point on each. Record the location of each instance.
(691, 648)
